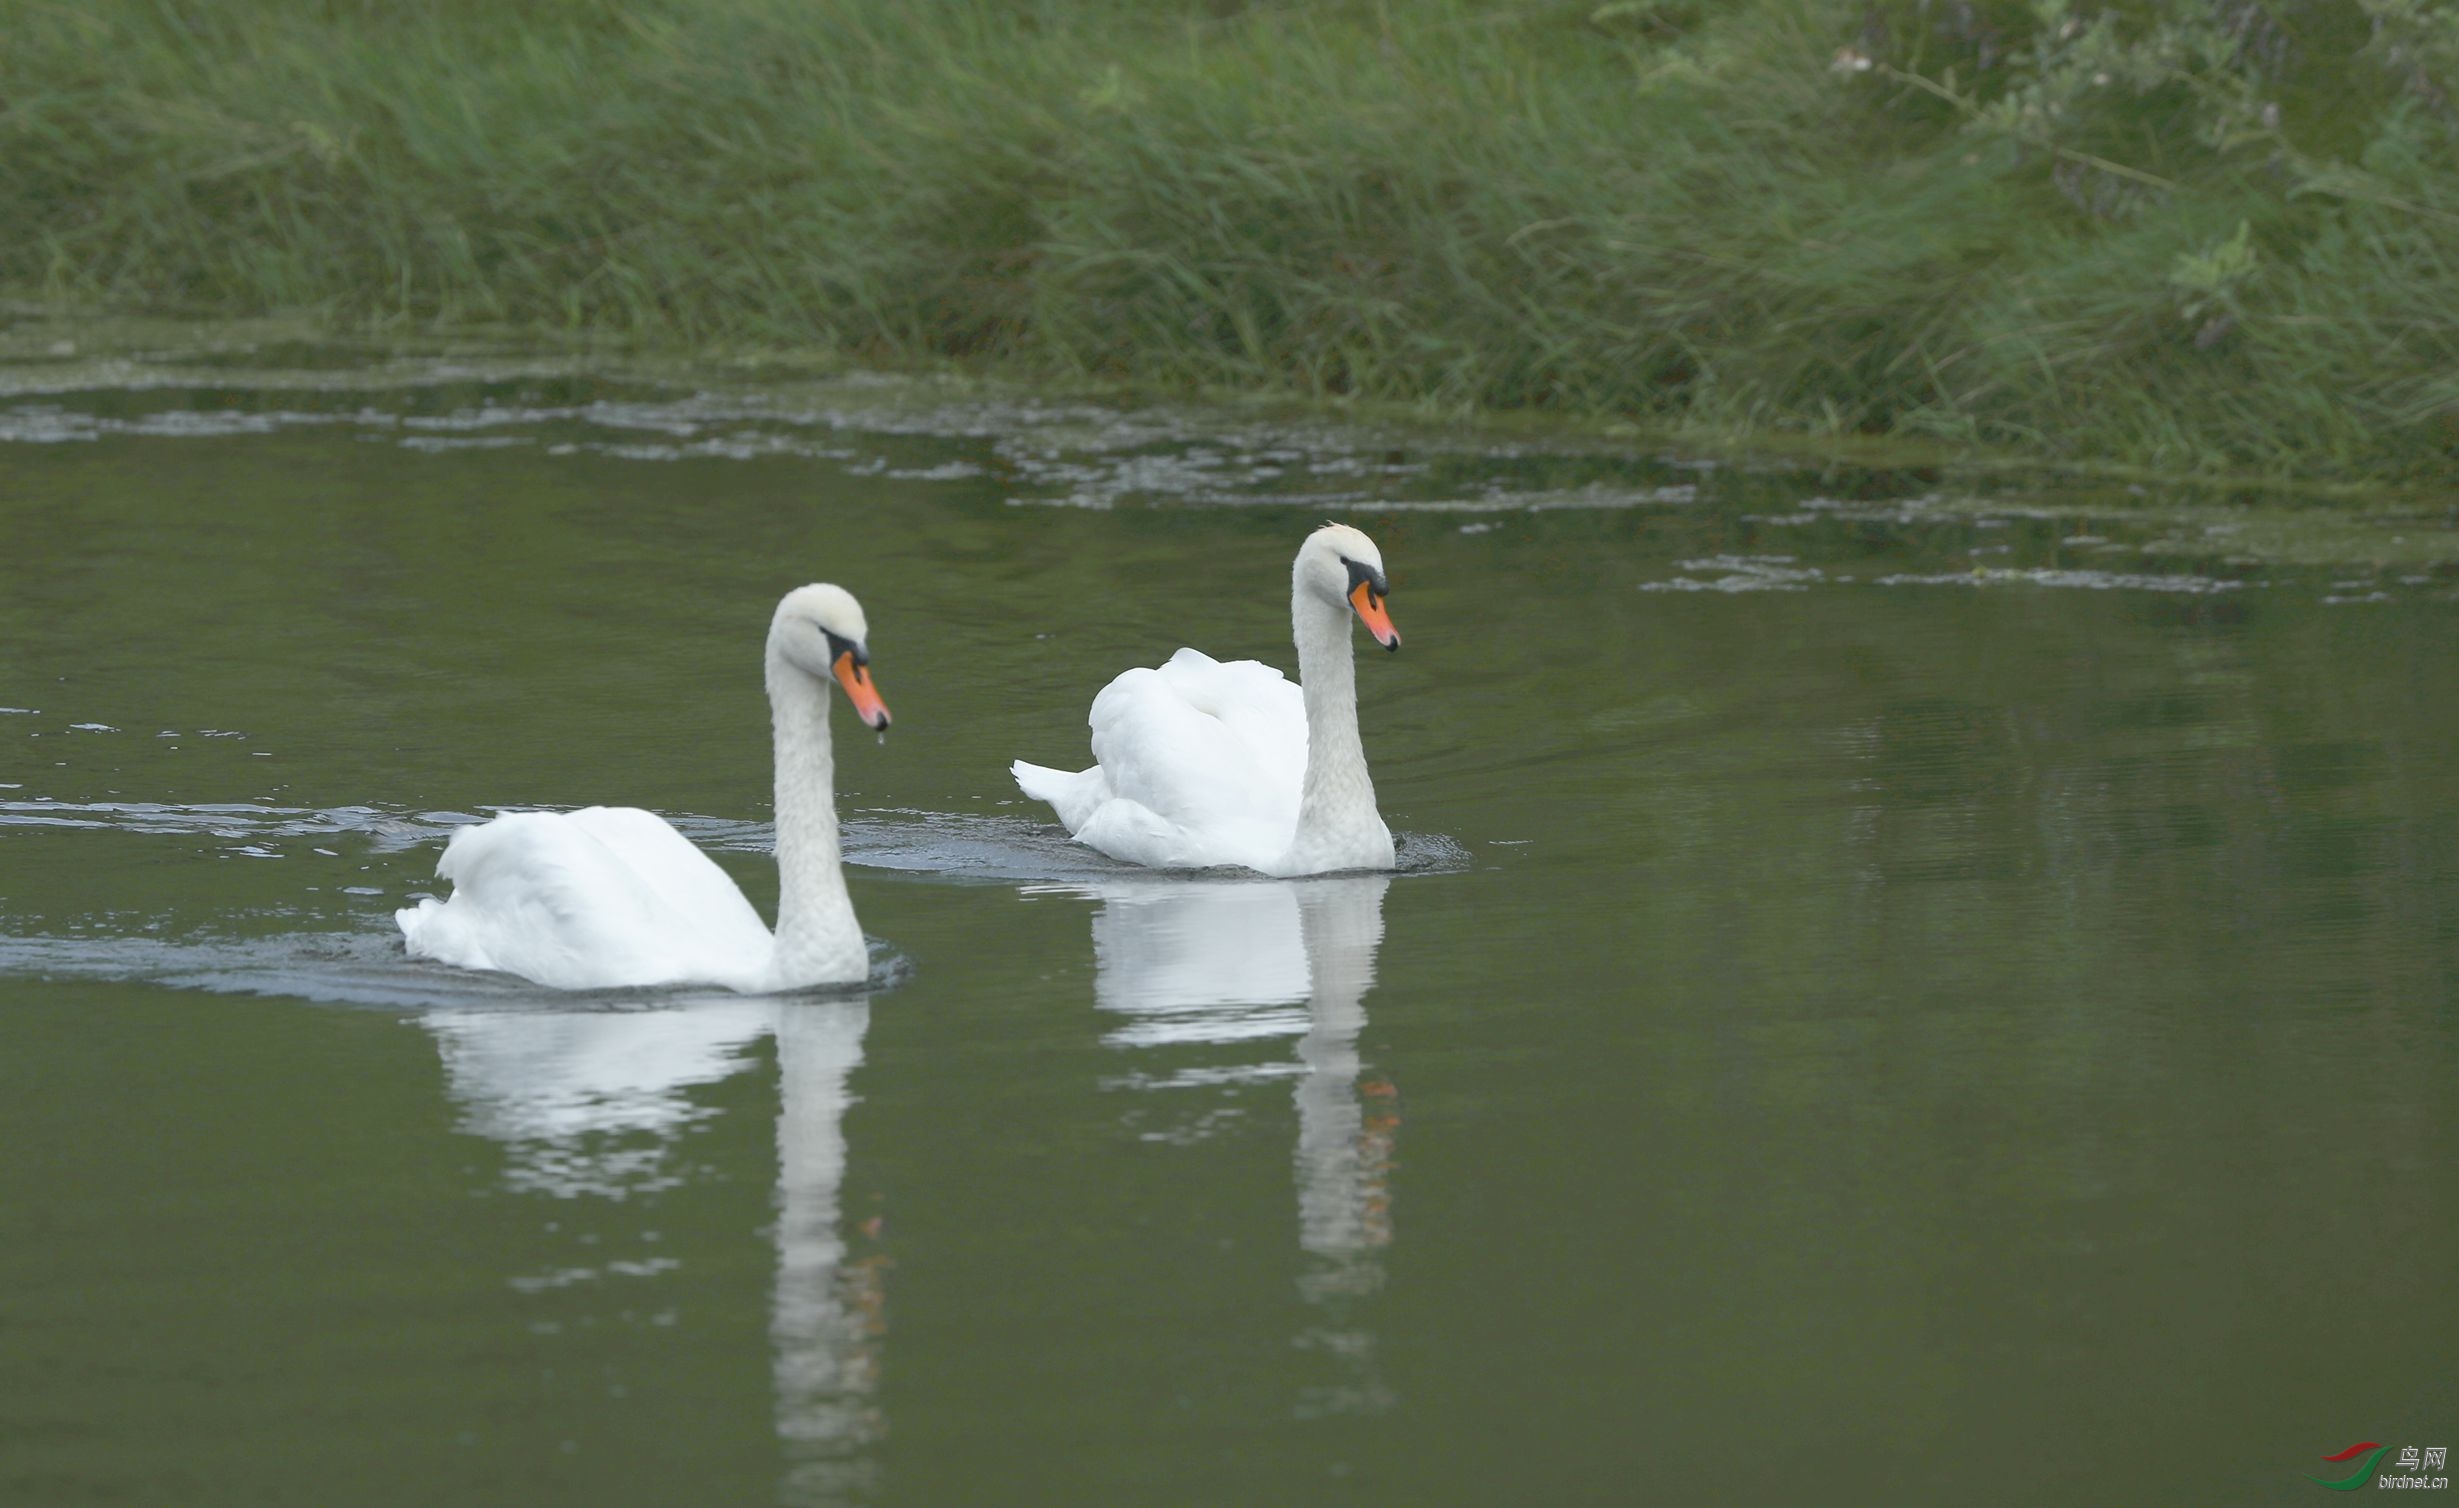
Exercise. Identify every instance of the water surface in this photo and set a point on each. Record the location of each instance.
(1881, 997)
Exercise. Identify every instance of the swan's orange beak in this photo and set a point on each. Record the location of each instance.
(855, 677)
(1372, 613)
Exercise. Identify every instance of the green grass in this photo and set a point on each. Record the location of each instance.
(2194, 236)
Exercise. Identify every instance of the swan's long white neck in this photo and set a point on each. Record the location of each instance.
(818, 940)
(1338, 827)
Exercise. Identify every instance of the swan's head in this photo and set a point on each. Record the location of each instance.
(820, 631)
(1341, 566)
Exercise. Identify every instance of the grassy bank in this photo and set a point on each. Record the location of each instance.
(2217, 235)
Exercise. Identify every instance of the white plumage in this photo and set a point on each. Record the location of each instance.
(1201, 763)
(614, 897)
(606, 897)
(1198, 764)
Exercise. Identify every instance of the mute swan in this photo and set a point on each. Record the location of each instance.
(1199, 764)
(613, 896)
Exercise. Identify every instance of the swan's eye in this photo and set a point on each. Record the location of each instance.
(839, 648)
(1365, 576)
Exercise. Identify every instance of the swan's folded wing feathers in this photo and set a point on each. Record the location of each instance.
(1200, 742)
(1129, 830)
(584, 900)
(1264, 711)
(1163, 752)
(1198, 763)
(534, 895)
(699, 896)
(1219, 687)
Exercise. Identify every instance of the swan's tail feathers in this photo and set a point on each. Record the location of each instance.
(1037, 781)
(433, 929)
(1074, 795)
(418, 926)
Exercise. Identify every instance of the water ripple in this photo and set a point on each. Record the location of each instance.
(363, 967)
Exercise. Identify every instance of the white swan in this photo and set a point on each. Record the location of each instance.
(611, 897)
(1200, 764)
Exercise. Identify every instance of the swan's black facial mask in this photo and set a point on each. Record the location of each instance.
(839, 648)
(851, 664)
(1367, 589)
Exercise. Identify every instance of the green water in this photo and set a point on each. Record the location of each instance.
(1881, 1002)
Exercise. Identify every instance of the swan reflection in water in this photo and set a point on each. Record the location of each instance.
(1189, 964)
(594, 1104)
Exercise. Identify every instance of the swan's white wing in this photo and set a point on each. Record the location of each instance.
(1211, 747)
(1199, 763)
(697, 893)
(595, 899)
